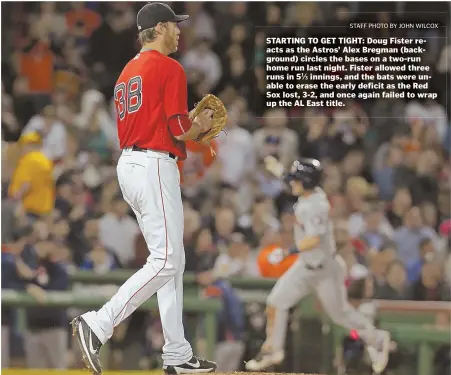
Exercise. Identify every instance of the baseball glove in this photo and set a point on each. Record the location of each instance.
(219, 117)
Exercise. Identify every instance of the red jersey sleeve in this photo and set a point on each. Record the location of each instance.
(179, 125)
(175, 92)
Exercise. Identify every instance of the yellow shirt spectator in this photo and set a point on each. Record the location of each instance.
(32, 181)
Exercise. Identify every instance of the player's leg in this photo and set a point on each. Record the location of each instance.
(143, 184)
(177, 352)
(35, 355)
(288, 291)
(56, 347)
(5, 345)
(331, 290)
(176, 349)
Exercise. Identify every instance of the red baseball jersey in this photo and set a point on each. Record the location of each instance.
(151, 99)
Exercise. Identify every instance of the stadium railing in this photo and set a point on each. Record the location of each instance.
(411, 323)
(208, 308)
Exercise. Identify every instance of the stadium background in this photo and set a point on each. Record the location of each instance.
(387, 172)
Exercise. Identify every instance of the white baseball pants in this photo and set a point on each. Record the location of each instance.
(329, 286)
(150, 183)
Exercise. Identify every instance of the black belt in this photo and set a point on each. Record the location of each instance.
(314, 268)
(318, 267)
(136, 148)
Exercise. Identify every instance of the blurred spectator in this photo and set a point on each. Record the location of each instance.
(64, 191)
(354, 165)
(384, 176)
(259, 223)
(116, 33)
(275, 138)
(36, 61)
(212, 275)
(95, 118)
(191, 234)
(53, 133)
(194, 170)
(428, 254)
(11, 127)
(238, 261)
(405, 173)
(358, 191)
(203, 67)
(68, 77)
(431, 114)
(342, 238)
(302, 14)
(408, 237)
(345, 132)
(445, 235)
(371, 219)
(9, 220)
(206, 254)
(402, 203)
(399, 138)
(82, 21)
(118, 231)
(237, 158)
(32, 183)
(224, 225)
(83, 236)
(41, 231)
(430, 286)
(265, 182)
(47, 337)
(429, 214)
(443, 64)
(333, 186)
(314, 141)
(50, 22)
(199, 25)
(396, 287)
(444, 201)
(228, 198)
(234, 13)
(424, 186)
(59, 231)
(376, 232)
(11, 280)
(99, 260)
(378, 265)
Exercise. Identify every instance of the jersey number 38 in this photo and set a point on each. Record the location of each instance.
(128, 96)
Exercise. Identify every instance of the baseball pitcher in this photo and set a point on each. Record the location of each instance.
(153, 124)
(316, 270)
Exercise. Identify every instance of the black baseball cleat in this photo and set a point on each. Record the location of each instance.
(89, 345)
(193, 366)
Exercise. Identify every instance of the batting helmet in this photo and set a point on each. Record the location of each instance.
(307, 171)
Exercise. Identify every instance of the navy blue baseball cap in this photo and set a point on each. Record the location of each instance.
(151, 14)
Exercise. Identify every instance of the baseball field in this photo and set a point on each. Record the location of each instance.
(85, 372)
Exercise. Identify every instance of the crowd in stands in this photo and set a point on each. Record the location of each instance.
(387, 166)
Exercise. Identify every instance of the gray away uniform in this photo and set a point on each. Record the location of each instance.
(316, 271)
